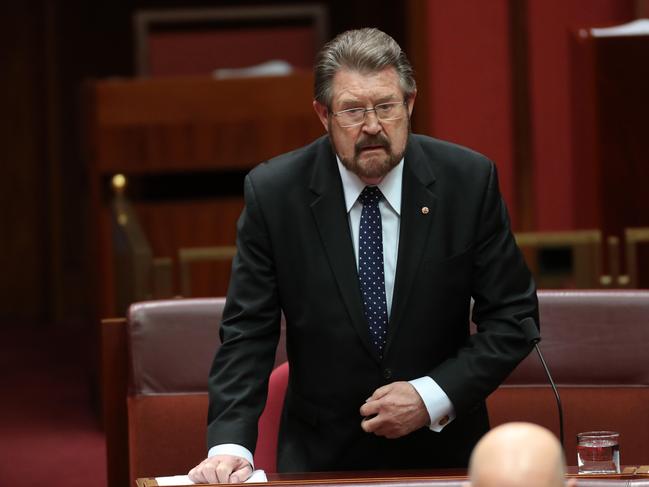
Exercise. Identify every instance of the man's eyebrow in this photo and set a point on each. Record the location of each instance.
(354, 102)
(349, 102)
(387, 98)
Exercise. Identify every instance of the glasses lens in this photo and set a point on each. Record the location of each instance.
(347, 118)
(389, 111)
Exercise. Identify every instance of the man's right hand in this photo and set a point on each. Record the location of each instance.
(221, 469)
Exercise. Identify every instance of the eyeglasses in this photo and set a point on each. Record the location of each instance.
(385, 112)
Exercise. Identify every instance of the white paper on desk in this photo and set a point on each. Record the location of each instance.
(257, 476)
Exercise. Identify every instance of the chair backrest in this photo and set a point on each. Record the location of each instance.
(633, 238)
(266, 449)
(171, 345)
(584, 248)
(595, 344)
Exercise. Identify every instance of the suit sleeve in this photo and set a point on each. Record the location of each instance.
(238, 380)
(504, 294)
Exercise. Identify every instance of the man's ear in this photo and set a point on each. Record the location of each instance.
(323, 113)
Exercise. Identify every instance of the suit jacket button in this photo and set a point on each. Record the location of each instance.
(387, 374)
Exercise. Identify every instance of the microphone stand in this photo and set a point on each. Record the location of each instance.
(534, 337)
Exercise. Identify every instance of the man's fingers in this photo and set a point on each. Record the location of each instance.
(394, 411)
(210, 475)
(379, 393)
(373, 403)
(370, 425)
(204, 472)
(221, 469)
(370, 408)
(241, 475)
(379, 427)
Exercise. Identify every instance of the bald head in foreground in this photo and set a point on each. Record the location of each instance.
(518, 454)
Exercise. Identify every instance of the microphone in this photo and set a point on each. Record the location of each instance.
(533, 337)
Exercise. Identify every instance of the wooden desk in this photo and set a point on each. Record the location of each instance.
(331, 479)
(424, 478)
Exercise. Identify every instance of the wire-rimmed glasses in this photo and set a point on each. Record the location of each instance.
(385, 112)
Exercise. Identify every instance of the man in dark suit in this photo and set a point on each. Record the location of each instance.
(372, 241)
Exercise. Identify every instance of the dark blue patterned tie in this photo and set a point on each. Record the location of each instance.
(370, 266)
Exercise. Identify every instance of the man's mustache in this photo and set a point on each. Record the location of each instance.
(378, 140)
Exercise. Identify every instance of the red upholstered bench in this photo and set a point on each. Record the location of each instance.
(596, 344)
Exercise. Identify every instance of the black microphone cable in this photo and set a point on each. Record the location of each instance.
(534, 337)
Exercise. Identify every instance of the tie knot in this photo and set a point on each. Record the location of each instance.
(370, 196)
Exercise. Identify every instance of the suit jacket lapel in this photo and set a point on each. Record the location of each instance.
(329, 211)
(418, 203)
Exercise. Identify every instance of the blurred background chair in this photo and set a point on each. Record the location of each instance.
(563, 260)
(637, 257)
(187, 257)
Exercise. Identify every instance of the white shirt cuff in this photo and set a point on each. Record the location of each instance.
(231, 449)
(439, 406)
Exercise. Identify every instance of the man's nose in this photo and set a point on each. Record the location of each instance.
(371, 123)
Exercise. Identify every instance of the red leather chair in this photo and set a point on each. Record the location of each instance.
(171, 345)
(266, 450)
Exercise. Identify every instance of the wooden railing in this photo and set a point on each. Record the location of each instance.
(593, 261)
(580, 259)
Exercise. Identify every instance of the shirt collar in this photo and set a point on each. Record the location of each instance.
(390, 186)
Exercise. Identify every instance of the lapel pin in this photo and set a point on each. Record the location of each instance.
(424, 210)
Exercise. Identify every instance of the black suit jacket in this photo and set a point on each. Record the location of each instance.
(295, 254)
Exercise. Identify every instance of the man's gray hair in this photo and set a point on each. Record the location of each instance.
(363, 50)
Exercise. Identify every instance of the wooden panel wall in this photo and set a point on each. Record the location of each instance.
(469, 81)
(611, 151)
(551, 23)
(24, 193)
(185, 144)
(497, 78)
(180, 124)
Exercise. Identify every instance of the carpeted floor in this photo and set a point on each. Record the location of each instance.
(49, 429)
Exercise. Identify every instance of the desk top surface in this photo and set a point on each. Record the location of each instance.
(631, 476)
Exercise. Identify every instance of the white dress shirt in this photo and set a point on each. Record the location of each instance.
(439, 406)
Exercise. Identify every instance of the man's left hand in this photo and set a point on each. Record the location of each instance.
(394, 410)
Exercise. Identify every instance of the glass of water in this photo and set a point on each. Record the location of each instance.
(598, 452)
